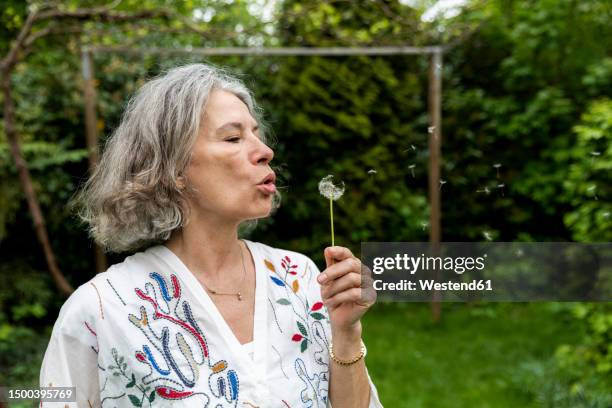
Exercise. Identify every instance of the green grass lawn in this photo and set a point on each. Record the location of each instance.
(471, 358)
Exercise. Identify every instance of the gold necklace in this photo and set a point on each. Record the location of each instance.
(214, 292)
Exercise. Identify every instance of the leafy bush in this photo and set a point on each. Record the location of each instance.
(579, 375)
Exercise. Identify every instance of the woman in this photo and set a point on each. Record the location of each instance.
(200, 317)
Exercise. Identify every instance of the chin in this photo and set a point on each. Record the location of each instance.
(262, 213)
(265, 214)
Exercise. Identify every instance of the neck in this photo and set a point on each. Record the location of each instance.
(210, 249)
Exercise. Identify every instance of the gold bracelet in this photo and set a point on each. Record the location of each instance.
(348, 362)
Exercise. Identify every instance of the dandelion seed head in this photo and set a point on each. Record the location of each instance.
(329, 190)
(371, 171)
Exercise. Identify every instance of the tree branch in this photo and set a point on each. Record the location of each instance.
(9, 61)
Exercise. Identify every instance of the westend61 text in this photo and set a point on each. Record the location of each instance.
(475, 285)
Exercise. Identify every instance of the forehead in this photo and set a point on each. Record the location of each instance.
(222, 107)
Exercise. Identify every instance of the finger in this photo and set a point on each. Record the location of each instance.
(349, 295)
(350, 280)
(335, 254)
(365, 297)
(340, 269)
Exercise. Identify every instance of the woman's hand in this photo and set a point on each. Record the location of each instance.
(346, 289)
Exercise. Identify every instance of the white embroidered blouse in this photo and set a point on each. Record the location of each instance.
(145, 333)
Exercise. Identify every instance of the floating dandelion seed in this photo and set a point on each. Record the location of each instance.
(413, 147)
(497, 166)
(431, 129)
(501, 186)
(487, 235)
(332, 193)
(606, 214)
(519, 252)
(484, 190)
(442, 182)
(411, 167)
(424, 225)
(592, 189)
(594, 154)
(371, 171)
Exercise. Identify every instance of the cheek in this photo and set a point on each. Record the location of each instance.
(222, 173)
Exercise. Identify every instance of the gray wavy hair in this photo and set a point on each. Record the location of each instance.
(132, 199)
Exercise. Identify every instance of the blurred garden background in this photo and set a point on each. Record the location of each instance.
(526, 156)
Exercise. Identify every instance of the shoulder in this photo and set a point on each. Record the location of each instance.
(78, 306)
(85, 303)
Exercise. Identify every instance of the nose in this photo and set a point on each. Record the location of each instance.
(262, 153)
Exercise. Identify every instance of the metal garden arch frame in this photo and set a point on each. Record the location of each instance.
(434, 100)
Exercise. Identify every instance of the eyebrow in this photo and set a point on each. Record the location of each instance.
(233, 126)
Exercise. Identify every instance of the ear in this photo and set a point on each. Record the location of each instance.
(180, 182)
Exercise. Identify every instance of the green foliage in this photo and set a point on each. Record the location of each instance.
(25, 299)
(578, 375)
(594, 355)
(588, 185)
(518, 86)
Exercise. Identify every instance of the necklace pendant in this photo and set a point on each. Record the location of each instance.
(239, 296)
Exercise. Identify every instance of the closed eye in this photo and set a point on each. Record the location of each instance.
(233, 139)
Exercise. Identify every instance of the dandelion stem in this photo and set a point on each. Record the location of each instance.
(331, 217)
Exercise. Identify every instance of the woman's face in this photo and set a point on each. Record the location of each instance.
(229, 162)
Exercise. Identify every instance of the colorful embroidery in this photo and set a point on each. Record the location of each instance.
(309, 330)
(315, 312)
(166, 361)
(314, 385)
(119, 368)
